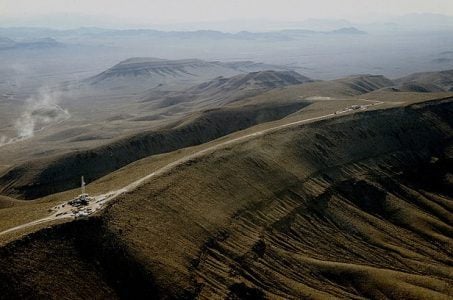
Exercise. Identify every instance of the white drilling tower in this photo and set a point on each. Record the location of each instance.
(83, 185)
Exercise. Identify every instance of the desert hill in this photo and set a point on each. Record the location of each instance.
(348, 30)
(222, 90)
(7, 202)
(146, 73)
(366, 83)
(151, 72)
(40, 177)
(248, 66)
(427, 82)
(196, 128)
(96, 121)
(320, 90)
(335, 208)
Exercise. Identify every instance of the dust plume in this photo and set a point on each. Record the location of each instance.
(40, 111)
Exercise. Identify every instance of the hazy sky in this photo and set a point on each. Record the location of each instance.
(180, 11)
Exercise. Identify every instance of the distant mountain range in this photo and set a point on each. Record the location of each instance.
(141, 73)
(41, 43)
(426, 82)
(419, 22)
(194, 78)
(199, 34)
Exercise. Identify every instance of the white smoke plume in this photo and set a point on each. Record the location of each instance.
(40, 111)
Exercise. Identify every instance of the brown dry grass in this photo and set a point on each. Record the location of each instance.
(36, 209)
(318, 210)
(304, 212)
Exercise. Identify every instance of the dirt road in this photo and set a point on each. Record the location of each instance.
(65, 211)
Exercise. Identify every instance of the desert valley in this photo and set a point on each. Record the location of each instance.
(208, 168)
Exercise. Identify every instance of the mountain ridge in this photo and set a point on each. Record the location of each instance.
(222, 90)
(290, 215)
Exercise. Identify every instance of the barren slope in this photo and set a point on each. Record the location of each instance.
(141, 73)
(335, 208)
(222, 90)
(427, 82)
(42, 177)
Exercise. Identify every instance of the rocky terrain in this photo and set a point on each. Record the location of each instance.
(234, 180)
(233, 150)
(334, 208)
(166, 121)
(37, 178)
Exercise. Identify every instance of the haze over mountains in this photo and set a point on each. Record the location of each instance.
(320, 49)
(407, 22)
(148, 73)
(42, 43)
(163, 98)
(177, 87)
(262, 160)
(334, 208)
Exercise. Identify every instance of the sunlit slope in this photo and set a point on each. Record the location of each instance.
(427, 82)
(331, 209)
(42, 177)
(353, 207)
(7, 202)
(221, 91)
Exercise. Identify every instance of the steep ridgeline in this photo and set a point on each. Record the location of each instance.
(47, 176)
(366, 83)
(332, 209)
(441, 81)
(222, 90)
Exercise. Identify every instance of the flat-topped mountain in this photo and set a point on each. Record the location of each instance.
(147, 73)
(152, 71)
(348, 30)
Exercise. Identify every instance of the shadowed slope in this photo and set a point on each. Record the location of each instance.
(427, 82)
(335, 208)
(143, 73)
(326, 210)
(366, 83)
(47, 176)
(221, 90)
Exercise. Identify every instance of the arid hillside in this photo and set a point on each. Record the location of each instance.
(335, 208)
(222, 90)
(366, 83)
(142, 73)
(41, 177)
(236, 107)
(427, 82)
